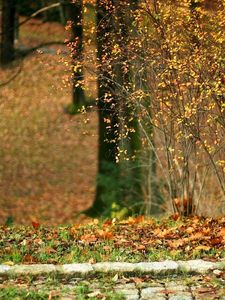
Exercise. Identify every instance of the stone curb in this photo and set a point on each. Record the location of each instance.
(84, 269)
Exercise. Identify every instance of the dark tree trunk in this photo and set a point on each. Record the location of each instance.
(74, 14)
(8, 31)
(107, 187)
(132, 170)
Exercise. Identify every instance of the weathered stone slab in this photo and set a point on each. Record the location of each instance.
(155, 297)
(76, 269)
(153, 293)
(4, 269)
(156, 268)
(181, 296)
(109, 267)
(81, 270)
(37, 269)
(176, 287)
(196, 266)
(129, 294)
(220, 265)
(127, 286)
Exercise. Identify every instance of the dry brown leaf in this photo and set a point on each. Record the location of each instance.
(137, 280)
(196, 236)
(176, 243)
(140, 247)
(105, 234)
(88, 238)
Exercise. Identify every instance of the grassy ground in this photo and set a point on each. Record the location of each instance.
(132, 240)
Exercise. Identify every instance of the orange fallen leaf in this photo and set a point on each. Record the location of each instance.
(175, 216)
(190, 230)
(88, 238)
(140, 247)
(216, 241)
(107, 223)
(35, 224)
(222, 231)
(176, 243)
(137, 280)
(196, 236)
(105, 234)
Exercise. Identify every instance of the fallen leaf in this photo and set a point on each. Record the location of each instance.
(204, 290)
(202, 247)
(137, 280)
(140, 247)
(105, 234)
(35, 224)
(88, 238)
(216, 241)
(115, 278)
(28, 259)
(222, 231)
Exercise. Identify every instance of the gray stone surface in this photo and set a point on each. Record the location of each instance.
(196, 266)
(153, 293)
(36, 269)
(181, 296)
(106, 267)
(220, 265)
(155, 268)
(128, 294)
(176, 287)
(153, 297)
(4, 269)
(152, 268)
(127, 286)
(129, 290)
(75, 269)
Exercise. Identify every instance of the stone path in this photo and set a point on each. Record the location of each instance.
(196, 280)
(198, 287)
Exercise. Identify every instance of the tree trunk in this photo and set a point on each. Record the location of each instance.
(132, 168)
(107, 187)
(74, 14)
(8, 31)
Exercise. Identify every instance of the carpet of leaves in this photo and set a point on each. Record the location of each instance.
(134, 239)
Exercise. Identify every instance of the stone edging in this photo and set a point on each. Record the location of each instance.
(84, 269)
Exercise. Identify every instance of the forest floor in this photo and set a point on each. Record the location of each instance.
(48, 158)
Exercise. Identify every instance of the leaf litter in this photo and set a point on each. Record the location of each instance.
(132, 240)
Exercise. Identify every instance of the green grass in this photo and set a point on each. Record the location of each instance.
(12, 293)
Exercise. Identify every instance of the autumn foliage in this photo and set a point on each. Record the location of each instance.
(163, 68)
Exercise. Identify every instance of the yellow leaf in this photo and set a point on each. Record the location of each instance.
(203, 247)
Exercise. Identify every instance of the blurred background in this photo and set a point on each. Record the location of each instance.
(47, 156)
